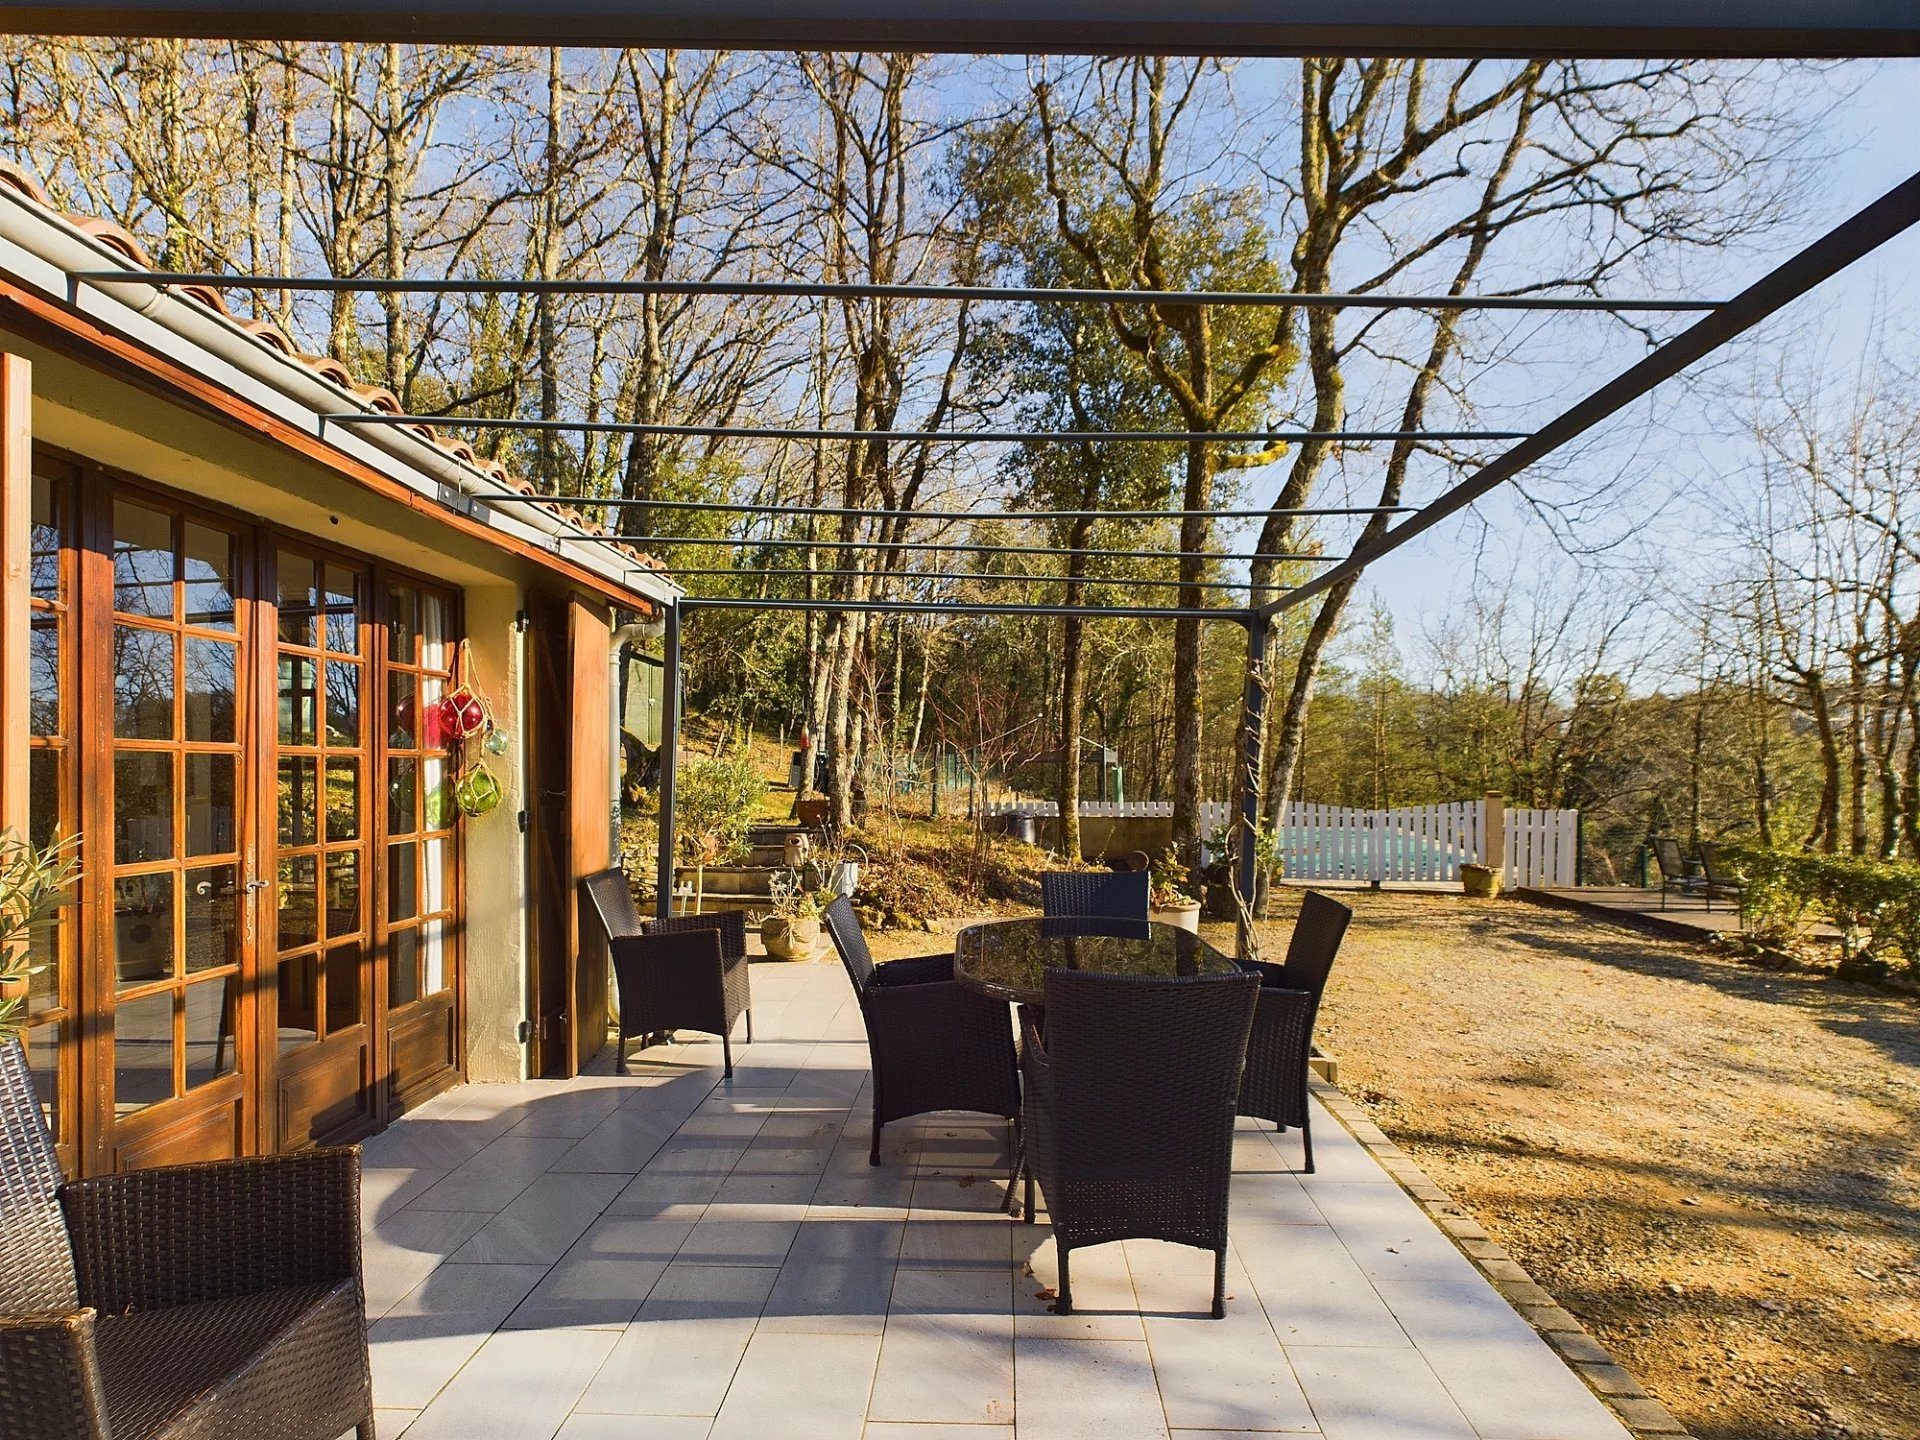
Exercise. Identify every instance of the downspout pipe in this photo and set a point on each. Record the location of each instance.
(632, 633)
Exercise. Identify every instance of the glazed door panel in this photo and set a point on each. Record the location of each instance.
(318, 1029)
(171, 845)
(550, 841)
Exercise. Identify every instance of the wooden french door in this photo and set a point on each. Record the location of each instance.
(172, 846)
(320, 1040)
(264, 950)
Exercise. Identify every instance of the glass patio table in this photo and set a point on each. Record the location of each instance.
(1009, 959)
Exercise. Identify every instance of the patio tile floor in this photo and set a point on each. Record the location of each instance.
(669, 1256)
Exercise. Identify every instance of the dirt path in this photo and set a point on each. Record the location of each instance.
(1713, 1166)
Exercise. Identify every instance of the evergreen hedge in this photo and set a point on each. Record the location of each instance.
(1875, 904)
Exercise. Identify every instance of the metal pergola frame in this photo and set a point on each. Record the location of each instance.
(1627, 29)
(1469, 28)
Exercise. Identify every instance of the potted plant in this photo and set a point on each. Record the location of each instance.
(1172, 901)
(33, 885)
(713, 810)
(792, 930)
(1480, 881)
(813, 810)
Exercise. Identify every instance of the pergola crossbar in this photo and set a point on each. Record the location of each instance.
(802, 543)
(834, 290)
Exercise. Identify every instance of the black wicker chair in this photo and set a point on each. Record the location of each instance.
(1275, 1084)
(199, 1302)
(1095, 894)
(935, 1046)
(689, 972)
(1128, 1119)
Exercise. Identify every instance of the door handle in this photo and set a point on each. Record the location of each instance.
(253, 885)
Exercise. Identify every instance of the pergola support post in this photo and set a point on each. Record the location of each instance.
(1247, 832)
(669, 762)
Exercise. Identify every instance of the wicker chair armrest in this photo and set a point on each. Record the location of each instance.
(192, 1233)
(50, 1379)
(916, 970)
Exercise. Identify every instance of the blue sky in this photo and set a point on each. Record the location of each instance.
(1679, 440)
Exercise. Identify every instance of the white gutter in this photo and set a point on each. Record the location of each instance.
(44, 252)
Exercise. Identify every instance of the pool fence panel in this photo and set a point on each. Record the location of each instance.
(1405, 844)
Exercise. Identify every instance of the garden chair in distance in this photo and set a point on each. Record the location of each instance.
(1095, 894)
(688, 972)
(212, 1301)
(1275, 1085)
(1673, 870)
(934, 1045)
(1127, 1123)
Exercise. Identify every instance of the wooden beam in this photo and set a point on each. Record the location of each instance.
(16, 521)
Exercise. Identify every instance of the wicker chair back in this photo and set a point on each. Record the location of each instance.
(1317, 934)
(612, 900)
(1145, 1072)
(843, 928)
(36, 1260)
(1096, 894)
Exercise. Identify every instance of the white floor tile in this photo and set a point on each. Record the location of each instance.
(679, 1355)
(947, 1356)
(1361, 1393)
(421, 1343)
(762, 1400)
(521, 1385)
(1085, 1390)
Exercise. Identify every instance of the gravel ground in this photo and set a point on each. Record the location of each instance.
(1714, 1166)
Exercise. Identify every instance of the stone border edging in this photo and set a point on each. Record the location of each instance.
(1645, 1416)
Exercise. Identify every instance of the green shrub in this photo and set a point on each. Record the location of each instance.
(1875, 904)
(714, 803)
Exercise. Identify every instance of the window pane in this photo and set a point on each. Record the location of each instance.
(299, 815)
(48, 507)
(343, 987)
(142, 1052)
(403, 625)
(43, 706)
(343, 610)
(437, 808)
(402, 810)
(211, 1051)
(208, 570)
(433, 957)
(212, 671)
(43, 956)
(434, 734)
(142, 806)
(403, 967)
(435, 632)
(43, 795)
(142, 560)
(297, 598)
(403, 883)
(343, 800)
(143, 929)
(343, 894)
(343, 703)
(43, 1062)
(213, 931)
(299, 898)
(403, 715)
(142, 683)
(299, 1019)
(438, 894)
(299, 701)
(210, 827)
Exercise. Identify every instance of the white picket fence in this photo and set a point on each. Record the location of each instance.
(1407, 843)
